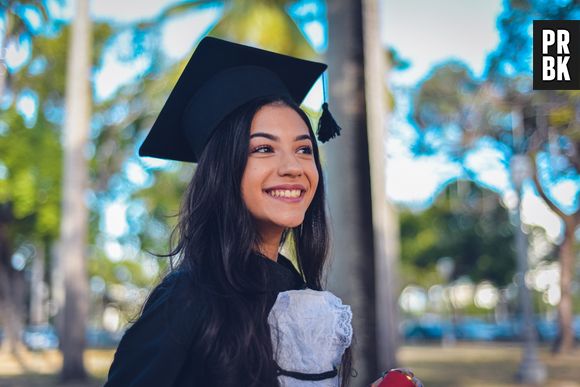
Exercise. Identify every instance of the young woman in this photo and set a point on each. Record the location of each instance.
(234, 311)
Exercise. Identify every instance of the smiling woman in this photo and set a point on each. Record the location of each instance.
(281, 177)
(234, 311)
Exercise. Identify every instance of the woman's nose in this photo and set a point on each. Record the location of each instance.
(290, 166)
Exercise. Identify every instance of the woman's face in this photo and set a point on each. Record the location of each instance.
(280, 178)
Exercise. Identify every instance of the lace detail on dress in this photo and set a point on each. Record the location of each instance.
(343, 323)
(310, 331)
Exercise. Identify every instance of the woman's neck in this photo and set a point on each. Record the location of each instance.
(269, 251)
(270, 244)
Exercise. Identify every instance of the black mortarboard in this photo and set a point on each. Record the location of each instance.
(220, 77)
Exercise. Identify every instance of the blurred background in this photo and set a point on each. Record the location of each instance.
(454, 188)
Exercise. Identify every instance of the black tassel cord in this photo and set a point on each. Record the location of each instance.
(327, 126)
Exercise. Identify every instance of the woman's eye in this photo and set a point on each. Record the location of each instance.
(305, 150)
(262, 149)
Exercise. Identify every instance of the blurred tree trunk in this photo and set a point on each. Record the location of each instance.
(352, 272)
(56, 278)
(11, 288)
(567, 256)
(566, 339)
(3, 65)
(38, 313)
(361, 253)
(385, 218)
(74, 224)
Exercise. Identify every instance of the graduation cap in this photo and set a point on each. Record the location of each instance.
(220, 77)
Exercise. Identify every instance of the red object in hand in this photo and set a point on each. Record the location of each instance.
(399, 378)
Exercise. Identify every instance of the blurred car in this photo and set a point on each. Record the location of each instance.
(547, 330)
(474, 329)
(507, 330)
(466, 329)
(40, 337)
(43, 337)
(425, 329)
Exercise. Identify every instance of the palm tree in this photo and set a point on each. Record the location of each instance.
(74, 224)
(365, 231)
(385, 217)
(264, 23)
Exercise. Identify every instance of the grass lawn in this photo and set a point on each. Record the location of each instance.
(465, 365)
(478, 365)
(40, 369)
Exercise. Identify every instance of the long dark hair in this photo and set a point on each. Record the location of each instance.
(215, 239)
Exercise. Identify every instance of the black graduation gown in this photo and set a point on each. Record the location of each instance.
(155, 351)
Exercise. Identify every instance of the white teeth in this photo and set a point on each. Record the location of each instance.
(288, 193)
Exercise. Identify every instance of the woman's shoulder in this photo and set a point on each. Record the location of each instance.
(169, 314)
(176, 283)
(156, 346)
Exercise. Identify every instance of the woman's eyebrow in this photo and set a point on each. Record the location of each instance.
(276, 138)
(303, 137)
(266, 135)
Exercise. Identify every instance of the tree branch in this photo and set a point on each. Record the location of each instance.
(540, 189)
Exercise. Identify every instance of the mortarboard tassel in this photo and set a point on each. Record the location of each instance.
(327, 126)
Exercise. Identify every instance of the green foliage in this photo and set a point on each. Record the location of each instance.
(265, 24)
(121, 272)
(514, 23)
(32, 158)
(466, 223)
(454, 110)
(49, 84)
(454, 81)
(411, 273)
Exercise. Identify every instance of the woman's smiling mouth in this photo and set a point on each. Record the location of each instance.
(287, 193)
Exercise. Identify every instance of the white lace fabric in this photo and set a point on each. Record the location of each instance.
(310, 331)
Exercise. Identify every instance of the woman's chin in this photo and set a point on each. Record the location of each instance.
(291, 222)
(279, 223)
